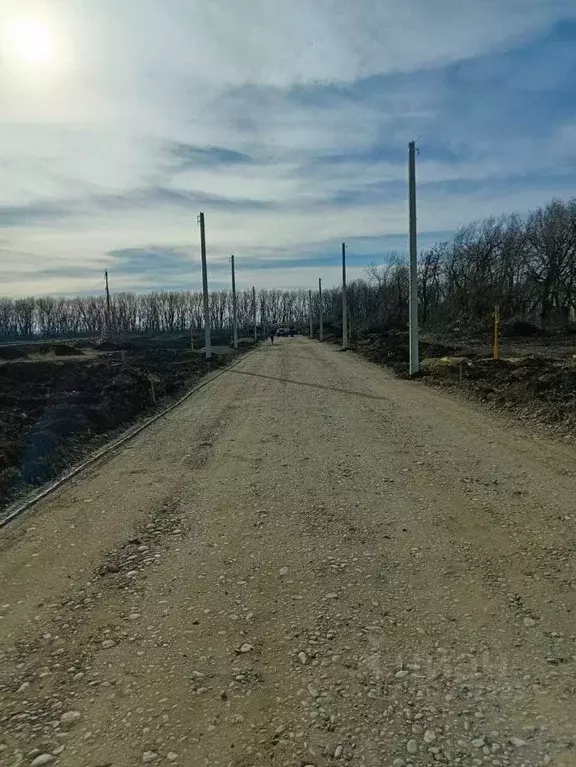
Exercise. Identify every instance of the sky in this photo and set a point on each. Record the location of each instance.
(286, 122)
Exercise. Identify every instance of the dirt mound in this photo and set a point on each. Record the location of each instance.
(535, 387)
(9, 353)
(519, 329)
(107, 346)
(391, 349)
(118, 346)
(244, 344)
(58, 350)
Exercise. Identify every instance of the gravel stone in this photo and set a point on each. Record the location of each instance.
(479, 743)
(412, 746)
(69, 717)
(518, 742)
(42, 759)
(245, 648)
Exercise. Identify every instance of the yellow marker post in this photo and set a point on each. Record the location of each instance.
(496, 345)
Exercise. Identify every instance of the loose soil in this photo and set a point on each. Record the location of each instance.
(534, 379)
(58, 401)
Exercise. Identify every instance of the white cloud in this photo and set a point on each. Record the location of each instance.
(135, 75)
(276, 43)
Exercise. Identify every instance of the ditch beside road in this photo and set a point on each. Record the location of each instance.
(310, 562)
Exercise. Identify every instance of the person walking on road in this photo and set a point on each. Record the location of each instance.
(271, 335)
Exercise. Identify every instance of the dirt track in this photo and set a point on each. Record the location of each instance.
(308, 563)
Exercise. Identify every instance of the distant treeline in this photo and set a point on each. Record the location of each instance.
(151, 313)
(526, 264)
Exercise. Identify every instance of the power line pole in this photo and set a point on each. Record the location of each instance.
(414, 354)
(310, 313)
(254, 311)
(234, 305)
(207, 335)
(107, 322)
(321, 311)
(344, 300)
(107, 291)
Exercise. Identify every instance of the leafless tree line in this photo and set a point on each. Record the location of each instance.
(527, 265)
(149, 313)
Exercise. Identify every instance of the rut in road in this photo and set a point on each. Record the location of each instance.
(308, 563)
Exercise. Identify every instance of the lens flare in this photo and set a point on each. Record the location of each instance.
(29, 42)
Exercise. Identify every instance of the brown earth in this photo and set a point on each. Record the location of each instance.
(534, 379)
(59, 401)
(309, 562)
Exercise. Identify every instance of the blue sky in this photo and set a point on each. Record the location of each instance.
(287, 123)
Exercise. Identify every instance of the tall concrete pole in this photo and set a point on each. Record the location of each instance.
(321, 311)
(344, 300)
(254, 311)
(107, 321)
(234, 305)
(107, 291)
(414, 354)
(310, 313)
(207, 335)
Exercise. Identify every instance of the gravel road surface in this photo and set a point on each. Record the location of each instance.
(308, 563)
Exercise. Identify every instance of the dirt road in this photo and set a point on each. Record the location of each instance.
(308, 563)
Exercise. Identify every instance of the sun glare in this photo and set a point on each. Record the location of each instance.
(29, 42)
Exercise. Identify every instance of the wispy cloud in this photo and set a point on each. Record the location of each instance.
(287, 123)
(184, 156)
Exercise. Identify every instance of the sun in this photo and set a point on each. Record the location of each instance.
(29, 41)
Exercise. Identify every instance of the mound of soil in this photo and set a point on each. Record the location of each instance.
(58, 350)
(519, 329)
(107, 346)
(53, 412)
(539, 389)
(391, 349)
(534, 387)
(9, 353)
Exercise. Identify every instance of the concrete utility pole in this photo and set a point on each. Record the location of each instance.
(321, 312)
(344, 300)
(107, 291)
(207, 335)
(254, 311)
(310, 313)
(107, 322)
(234, 306)
(414, 355)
